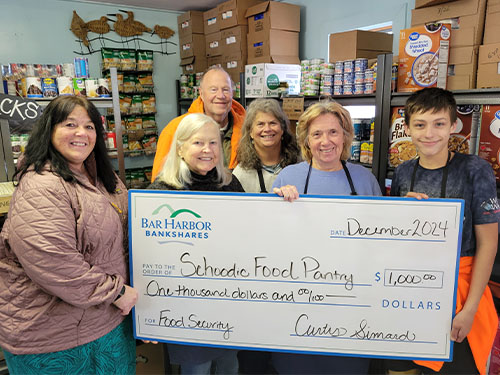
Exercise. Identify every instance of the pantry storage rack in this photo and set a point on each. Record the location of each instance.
(6, 159)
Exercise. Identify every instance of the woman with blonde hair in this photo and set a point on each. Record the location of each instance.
(266, 146)
(195, 162)
(325, 134)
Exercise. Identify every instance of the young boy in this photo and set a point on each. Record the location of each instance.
(431, 116)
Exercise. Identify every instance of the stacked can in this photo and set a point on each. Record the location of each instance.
(327, 73)
(188, 88)
(305, 67)
(185, 89)
(369, 81)
(338, 78)
(311, 76)
(360, 65)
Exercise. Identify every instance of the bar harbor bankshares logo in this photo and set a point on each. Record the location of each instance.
(180, 225)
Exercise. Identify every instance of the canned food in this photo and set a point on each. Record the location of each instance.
(338, 90)
(327, 91)
(308, 92)
(339, 67)
(185, 92)
(348, 66)
(359, 88)
(191, 80)
(338, 79)
(355, 150)
(317, 61)
(369, 88)
(360, 65)
(327, 80)
(359, 77)
(358, 129)
(368, 75)
(348, 78)
(305, 62)
(347, 89)
(316, 68)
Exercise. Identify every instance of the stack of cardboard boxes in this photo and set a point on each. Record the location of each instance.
(213, 45)
(467, 23)
(488, 71)
(233, 34)
(273, 50)
(273, 33)
(192, 42)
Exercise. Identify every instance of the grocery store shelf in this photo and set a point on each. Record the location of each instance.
(98, 102)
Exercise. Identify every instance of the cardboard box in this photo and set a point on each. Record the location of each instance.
(215, 61)
(428, 3)
(213, 44)
(190, 22)
(273, 15)
(211, 22)
(357, 43)
(493, 6)
(293, 107)
(462, 68)
(447, 11)
(489, 142)
(492, 28)
(194, 64)
(423, 57)
(234, 64)
(263, 80)
(234, 39)
(488, 70)
(192, 45)
(463, 55)
(466, 30)
(232, 12)
(277, 46)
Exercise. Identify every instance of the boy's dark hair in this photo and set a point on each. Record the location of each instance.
(431, 99)
(40, 149)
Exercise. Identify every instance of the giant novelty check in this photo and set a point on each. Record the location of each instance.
(360, 276)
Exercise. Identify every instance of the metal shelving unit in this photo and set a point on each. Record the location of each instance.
(7, 160)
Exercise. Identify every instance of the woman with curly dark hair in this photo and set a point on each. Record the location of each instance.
(266, 146)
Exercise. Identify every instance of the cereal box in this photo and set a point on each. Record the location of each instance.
(489, 137)
(464, 139)
(401, 147)
(423, 57)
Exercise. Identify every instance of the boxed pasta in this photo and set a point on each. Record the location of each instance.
(489, 137)
(423, 57)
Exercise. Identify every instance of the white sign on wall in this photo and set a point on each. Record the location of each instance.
(366, 276)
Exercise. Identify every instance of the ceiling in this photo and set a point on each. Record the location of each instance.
(174, 5)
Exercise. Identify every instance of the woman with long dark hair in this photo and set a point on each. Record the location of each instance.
(63, 252)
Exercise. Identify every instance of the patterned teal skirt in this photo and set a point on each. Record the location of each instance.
(113, 353)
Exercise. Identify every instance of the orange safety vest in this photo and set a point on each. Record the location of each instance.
(485, 325)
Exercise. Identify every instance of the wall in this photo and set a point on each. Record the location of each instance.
(318, 18)
(32, 31)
